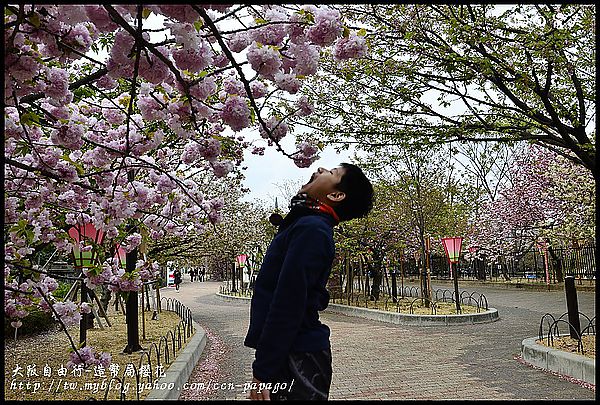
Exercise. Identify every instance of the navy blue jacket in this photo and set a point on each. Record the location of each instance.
(290, 290)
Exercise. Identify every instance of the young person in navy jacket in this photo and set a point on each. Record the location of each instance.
(293, 352)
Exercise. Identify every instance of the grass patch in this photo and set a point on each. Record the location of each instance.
(50, 350)
(35, 322)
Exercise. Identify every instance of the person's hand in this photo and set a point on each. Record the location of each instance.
(258, 394)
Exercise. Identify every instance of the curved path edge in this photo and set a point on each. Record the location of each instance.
(180, 370)
(564, 363)
(491, 315)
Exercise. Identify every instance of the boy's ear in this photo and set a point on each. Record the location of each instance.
(336, 196)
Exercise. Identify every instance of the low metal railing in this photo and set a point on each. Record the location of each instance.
(160, 354)
(554, 329)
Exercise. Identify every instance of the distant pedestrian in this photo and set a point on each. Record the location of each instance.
(192, 275)
(202, 274)
(177, 276)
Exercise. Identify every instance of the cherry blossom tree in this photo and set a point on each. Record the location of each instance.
(548, 197)
(112, 113)
(244, 228)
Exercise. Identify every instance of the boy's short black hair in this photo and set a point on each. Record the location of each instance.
(359, 193)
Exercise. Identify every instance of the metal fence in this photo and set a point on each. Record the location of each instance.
(530, 265)
(161, 355)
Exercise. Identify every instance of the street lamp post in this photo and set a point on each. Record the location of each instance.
(394, 285)
(428, 268)
(85, 257)
(452, 246)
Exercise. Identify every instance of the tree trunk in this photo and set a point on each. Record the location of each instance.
(87, 320)
(558, 264)
(131, 313)
(376, 274)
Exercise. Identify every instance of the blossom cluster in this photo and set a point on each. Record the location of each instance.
(548, 197)
(69, 312)
(17, 305)
(87, 356)
(306, 154)
(134, 138)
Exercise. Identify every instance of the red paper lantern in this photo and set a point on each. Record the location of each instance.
(81, 233)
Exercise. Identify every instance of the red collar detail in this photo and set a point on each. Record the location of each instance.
(329, 210)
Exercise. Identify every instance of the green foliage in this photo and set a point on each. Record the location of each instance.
(62, 290)
(464, 72)
(36, 322)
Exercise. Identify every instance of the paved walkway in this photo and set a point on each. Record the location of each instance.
(374, 360)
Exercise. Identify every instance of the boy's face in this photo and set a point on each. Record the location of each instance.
(323, 185)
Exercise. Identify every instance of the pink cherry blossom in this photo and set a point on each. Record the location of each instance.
(327, 27)
(106, 82)
(257, 150)
(259, 89)
(287, 82)
(120, 64)
(204, 89)
(71, 14)
(190, 152)
(271, 33)
(306, 57)
(221, 169)
(79, 39)
(221, 60)
(68, 136)
(153, 69)
(233, 86)
(112, 112)
(194, 60)
(67, 312)
(58, 86)
(238, 41)
(304, 106)
(350, 47)
(151, 109)
(236, 113)
(182, 13)
(210, 149)
(72, 145)
(277, 130)
(100, 18)
(87, 357)
(296, 29)
(265, 60)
